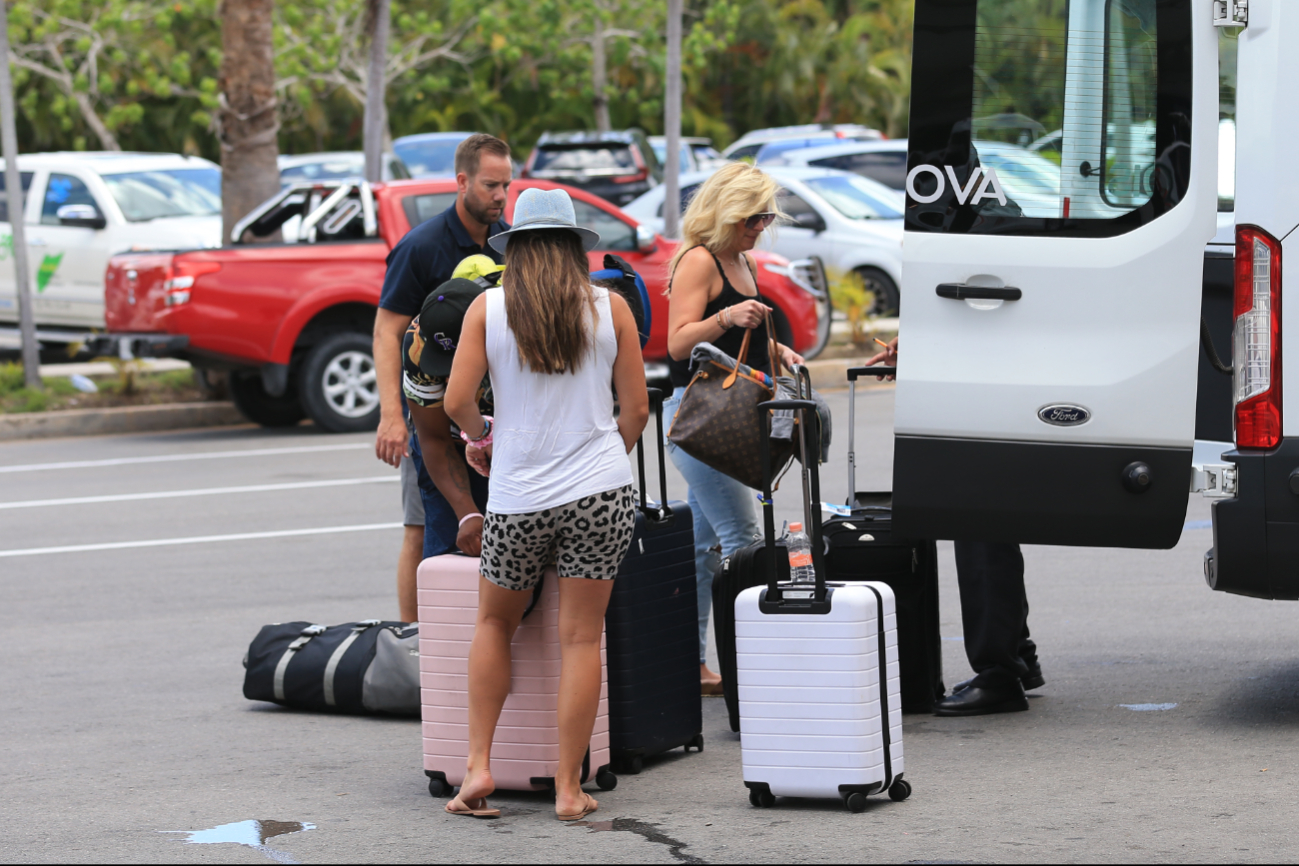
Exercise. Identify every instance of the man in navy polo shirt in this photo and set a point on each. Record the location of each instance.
(420, 262)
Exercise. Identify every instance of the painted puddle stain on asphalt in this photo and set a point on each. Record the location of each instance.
(1197, 524)
(1147, 708)
(252, 833)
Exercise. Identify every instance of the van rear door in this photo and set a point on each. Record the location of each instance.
(1061, 188)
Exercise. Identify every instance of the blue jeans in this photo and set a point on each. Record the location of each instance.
(440, 522)
(724, 512)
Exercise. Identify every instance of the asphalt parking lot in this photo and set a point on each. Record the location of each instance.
(134, 570)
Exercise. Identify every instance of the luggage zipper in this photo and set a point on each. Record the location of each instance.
(339, 652)
(282, 667)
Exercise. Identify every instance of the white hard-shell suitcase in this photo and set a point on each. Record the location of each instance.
(817, 671)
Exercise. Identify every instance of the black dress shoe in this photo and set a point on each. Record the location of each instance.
(1031, 680)
(983, 701)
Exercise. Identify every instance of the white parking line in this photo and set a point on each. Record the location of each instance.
(197, 539)
(174, 458)
(202, 491)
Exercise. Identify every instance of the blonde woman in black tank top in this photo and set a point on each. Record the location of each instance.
(713, 297)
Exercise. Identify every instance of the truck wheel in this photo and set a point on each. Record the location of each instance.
(339, 388)
(252, 401)
(885, 290)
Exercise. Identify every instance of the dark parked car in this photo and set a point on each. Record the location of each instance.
(617, 166)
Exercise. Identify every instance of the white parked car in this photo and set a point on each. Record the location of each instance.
(883, 161)
(336, 165)
(82, 208)
(748, 145)
(850, 222)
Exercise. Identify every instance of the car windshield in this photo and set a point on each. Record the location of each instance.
(424, 158)
(857, 198)
(589, 159)
(328, 169)
(149, 195)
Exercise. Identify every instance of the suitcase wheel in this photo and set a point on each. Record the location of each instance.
(606, 780)
(764, 799)
(899, 791)
(438, 788)
(697, 743)
(856, 802)
(632, 765)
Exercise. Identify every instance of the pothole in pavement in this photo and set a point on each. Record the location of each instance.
(644, 830)
(252, 833)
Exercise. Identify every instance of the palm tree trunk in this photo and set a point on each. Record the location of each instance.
(248, 123)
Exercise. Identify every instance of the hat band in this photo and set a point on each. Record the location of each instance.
(545, 222)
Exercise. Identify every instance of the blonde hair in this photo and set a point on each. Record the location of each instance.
(717, 213)
(547, 293)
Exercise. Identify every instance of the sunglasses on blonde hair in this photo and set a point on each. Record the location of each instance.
(761, 220)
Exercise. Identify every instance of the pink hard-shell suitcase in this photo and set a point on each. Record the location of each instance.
(525, 752)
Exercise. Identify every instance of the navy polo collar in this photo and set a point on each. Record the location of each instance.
(461, 234)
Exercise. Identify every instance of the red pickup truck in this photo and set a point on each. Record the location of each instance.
(291, 322)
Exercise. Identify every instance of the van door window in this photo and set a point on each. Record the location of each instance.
(63, 189)
(1050, 117)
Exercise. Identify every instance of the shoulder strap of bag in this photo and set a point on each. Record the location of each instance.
(773, 350)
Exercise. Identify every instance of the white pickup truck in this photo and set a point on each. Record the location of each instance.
(83, 208)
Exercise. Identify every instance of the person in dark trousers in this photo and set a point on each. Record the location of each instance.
(994, 616)
(420, 262)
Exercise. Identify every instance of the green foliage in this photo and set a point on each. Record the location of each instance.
(147, 69)
(849, 295)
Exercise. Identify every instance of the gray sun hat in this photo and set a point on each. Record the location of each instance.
(544, 209)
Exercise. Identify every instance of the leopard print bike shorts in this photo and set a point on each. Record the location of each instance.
(587, 538)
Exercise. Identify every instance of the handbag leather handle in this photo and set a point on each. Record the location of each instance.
(773, 350)
(740, 359)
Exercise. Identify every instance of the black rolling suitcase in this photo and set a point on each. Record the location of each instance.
(859, 546)
(863, 546)
(652, 630)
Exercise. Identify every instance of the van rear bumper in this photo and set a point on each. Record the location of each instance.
(1256, 532)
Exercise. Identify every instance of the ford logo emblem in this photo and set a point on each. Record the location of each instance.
(1061, 415)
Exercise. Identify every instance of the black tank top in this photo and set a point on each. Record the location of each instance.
(729, 341)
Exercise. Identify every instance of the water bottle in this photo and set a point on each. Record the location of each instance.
(800, 555)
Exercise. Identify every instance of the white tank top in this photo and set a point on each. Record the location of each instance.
(554, 436)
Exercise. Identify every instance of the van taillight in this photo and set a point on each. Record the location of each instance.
(181, 279)
(1256, 339)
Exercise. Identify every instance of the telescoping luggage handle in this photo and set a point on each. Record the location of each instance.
(853, 373)
(662, 515)
(775, 599)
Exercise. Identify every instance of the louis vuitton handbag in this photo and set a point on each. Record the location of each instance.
(719, 423)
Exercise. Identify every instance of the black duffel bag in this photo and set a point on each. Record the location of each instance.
(359, 667)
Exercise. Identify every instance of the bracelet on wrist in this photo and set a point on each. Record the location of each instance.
(470, 517)
(484, 439)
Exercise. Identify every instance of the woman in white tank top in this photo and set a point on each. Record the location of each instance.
(556, 348)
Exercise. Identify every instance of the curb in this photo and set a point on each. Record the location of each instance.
(122, 419)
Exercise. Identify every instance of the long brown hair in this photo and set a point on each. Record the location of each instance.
(547, 292)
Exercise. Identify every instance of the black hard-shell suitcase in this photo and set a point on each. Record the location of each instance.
(863, 546)
(652, 631)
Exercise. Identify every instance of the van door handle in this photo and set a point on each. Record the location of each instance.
(961, 292)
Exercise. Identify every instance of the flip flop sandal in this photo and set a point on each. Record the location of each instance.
(483, 811)
(580, 815)
(711, 690)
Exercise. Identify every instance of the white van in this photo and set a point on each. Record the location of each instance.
(82, 208)
(1048, 367)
